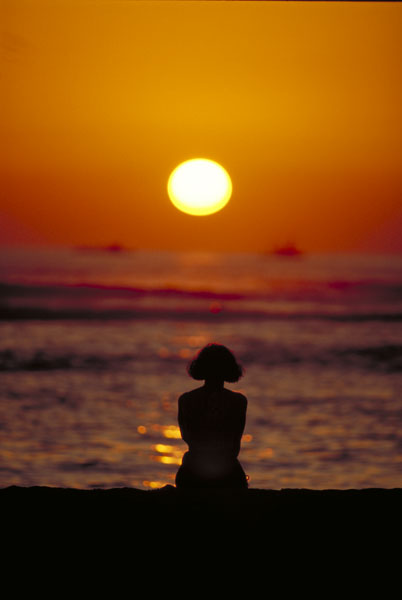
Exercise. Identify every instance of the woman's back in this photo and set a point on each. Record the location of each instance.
(212, 420)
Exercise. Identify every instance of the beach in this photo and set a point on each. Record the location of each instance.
(292, 540)
(278, 518)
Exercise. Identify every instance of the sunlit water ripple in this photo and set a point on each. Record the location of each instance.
(93, 354)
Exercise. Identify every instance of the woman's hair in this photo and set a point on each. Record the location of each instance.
(215, 361)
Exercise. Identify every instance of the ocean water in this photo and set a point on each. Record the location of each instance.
(94, 346)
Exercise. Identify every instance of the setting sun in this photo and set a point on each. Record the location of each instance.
(199, 187)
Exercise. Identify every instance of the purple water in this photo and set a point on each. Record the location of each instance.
(94, 347)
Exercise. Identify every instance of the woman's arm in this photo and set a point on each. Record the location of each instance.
(238, 422)
(182, 420)
(242, 414)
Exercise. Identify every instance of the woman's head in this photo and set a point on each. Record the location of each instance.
(215, 362)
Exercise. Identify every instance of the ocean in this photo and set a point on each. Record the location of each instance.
(94, 345)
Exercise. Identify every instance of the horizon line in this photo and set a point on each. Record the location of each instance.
(103, 248)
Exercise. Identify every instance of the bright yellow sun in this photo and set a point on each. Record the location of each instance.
(199, 187)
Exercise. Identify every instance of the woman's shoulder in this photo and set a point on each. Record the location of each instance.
(237, 397)
(197, 394)
(188, 396)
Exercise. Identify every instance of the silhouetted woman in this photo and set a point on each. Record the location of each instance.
(212, 420)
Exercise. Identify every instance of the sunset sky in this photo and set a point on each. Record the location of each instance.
(300, 102)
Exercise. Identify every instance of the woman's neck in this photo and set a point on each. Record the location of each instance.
(214, 384)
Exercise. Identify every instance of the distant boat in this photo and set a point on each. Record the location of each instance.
(287, 250)
(114, 248)
(109, 248)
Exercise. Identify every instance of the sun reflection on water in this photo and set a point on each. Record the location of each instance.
(152, 484)
(168, 431)
(171, 431)
(167, 460)
(170, 455)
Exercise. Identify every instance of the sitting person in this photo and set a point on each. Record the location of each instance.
(211, 420)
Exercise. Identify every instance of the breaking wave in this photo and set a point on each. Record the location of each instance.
(387, 358)
(302, 300)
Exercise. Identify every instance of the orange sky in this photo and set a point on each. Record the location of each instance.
(300, 102)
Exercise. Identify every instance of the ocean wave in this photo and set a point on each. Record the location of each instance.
(387, 358)
(293, 300)
(268, 290)
(214, 313)
(98, 290)
(40, 360)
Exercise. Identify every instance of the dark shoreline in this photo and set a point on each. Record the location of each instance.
(253, 507)
(249, 535)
